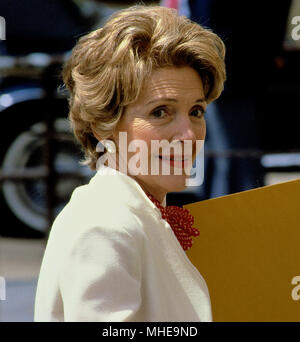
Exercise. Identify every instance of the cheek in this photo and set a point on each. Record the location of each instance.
(204, 130)
(200, 135)
(142, 130)
(201, 132)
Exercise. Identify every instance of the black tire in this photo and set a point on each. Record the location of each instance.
(23, 204)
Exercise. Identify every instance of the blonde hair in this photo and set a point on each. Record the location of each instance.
(108, 67)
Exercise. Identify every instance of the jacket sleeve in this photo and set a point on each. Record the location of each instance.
(100, 278)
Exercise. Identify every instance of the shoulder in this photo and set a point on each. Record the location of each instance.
(93, 230)
(110, 205)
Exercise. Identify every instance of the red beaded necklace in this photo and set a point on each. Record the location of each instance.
(180, 220)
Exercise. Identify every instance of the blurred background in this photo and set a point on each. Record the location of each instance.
(252, 129)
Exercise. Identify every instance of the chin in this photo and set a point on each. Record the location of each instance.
(174, 183)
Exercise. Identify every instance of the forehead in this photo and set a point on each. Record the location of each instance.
(173, 81)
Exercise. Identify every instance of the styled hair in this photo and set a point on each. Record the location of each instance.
(108, 67)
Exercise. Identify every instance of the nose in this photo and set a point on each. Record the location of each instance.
(184, 130)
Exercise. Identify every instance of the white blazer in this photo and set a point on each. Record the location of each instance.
(111, 257)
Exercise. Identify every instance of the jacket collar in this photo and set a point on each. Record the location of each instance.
(124, 186)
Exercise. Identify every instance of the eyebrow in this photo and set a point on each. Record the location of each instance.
(169, 99)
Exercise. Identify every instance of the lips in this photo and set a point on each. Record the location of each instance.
(175, 158)
(174, 161)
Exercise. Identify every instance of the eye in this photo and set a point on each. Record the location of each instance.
(198, 112)
(159, 112)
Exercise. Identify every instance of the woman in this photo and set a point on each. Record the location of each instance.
(112, 254)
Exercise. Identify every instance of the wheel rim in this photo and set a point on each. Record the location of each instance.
(26, 199)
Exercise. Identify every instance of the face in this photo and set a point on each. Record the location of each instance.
(171, 108)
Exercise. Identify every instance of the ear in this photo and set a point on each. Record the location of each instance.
(96, 135)
(99, 138)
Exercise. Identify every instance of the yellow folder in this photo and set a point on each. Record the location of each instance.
(248, 251)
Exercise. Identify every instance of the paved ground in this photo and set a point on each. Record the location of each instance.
(20, 261)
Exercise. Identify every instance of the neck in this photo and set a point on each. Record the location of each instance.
(159, 194)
